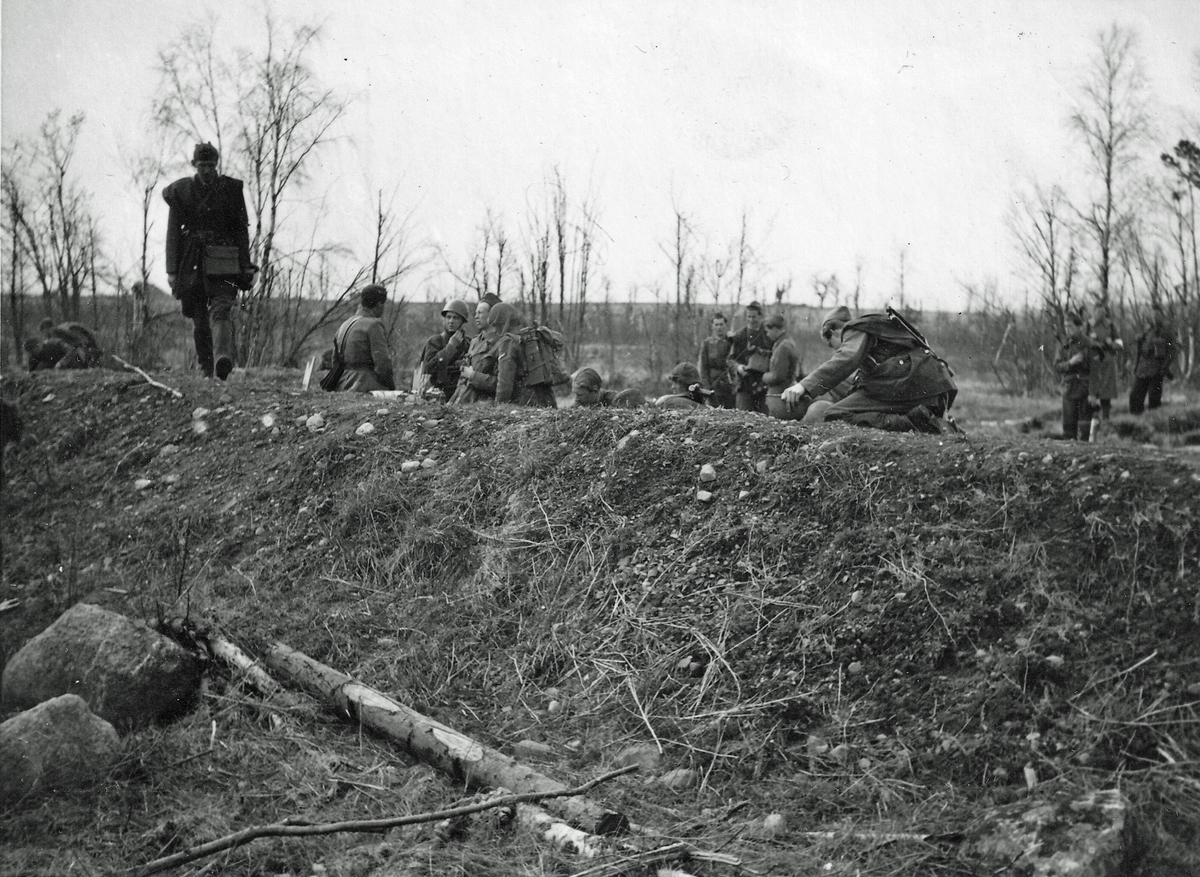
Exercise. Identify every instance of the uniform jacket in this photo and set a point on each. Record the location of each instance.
(753, 350)
(885, 362)
(443, 359)
(1155, 353)
(785, 366)
(214, 214)
(365, 351)
(1075, 374)
(1102, 379)
(677, 400)
(481, 386)
(713, 362)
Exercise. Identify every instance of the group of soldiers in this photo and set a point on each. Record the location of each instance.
(1089, 359)
(881, 372)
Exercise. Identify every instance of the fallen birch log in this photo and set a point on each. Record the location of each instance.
(467, 760)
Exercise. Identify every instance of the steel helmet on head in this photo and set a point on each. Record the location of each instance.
(459, 307)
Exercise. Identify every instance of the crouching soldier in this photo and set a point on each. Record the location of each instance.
(685, 381)
(899, 384)
(589, 392)
(63, 345)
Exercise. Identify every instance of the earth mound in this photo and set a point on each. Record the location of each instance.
(877, 637)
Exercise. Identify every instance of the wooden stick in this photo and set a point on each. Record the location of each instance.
(149, 380)
(466, 760)
(299, 828)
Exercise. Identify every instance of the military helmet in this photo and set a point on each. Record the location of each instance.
(459, 307)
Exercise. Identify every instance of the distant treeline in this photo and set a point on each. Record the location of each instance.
(629, 343)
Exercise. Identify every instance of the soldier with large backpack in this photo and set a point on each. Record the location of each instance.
(899, 383)
(528, 366)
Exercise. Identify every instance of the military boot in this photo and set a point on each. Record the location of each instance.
(202, 336)
(222, 331)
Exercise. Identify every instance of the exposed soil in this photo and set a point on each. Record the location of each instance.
(864, 632)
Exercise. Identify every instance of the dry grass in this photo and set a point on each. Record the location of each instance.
(862, 643)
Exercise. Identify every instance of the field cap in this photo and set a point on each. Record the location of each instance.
(205, 152)
(686, 373)
(840, 314)
(587, 379)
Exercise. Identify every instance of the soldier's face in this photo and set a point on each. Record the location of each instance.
(586, 396)
(754, 320)
(205, 170)
(452, 322)
(481, 312)
(718, 326)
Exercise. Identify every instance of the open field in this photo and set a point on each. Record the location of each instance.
(872, 635)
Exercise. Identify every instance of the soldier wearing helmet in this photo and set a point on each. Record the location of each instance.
(444, 352)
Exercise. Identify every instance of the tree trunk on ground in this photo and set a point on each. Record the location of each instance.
(434, 743)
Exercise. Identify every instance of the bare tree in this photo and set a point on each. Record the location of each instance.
(48, 217)
(1046, 243)
(826, 288)
(1110, 118)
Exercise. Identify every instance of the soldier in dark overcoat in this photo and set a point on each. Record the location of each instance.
(208, 255)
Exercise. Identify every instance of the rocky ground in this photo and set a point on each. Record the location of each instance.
(852, 649)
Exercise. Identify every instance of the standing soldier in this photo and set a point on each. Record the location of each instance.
(714, 363)
(1074, 363)
(749, 357)
(784, 370)
(1155, 357)
(1102, 380)
(446, 351)
(208, 256)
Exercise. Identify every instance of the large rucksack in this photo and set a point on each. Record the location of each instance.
(539, 348)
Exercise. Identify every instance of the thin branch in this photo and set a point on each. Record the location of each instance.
(298, 828)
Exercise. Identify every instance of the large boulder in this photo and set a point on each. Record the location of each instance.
(128, 673)
(58, 743)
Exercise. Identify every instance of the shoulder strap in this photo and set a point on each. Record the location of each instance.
(341, 352)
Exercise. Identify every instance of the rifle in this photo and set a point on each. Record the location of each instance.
(916, 335)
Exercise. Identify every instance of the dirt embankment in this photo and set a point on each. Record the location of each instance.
(856, 628)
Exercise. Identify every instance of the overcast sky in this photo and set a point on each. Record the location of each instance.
(847, 131)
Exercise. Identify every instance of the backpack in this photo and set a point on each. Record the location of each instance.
(330, 380)
(539, 347)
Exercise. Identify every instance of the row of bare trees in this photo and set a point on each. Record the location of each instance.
(1123, 242)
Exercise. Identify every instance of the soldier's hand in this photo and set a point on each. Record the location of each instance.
(468, 372)
(794, 395)
(171, 280)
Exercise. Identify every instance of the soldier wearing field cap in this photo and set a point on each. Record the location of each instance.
(208, 256)
(589, 391)
(445, 352)
(749, 357)
(685, 380)
(898, 384)
(784, 369)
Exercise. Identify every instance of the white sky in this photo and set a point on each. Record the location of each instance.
(847, 130)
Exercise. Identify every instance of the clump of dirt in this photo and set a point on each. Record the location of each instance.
(856, 628)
